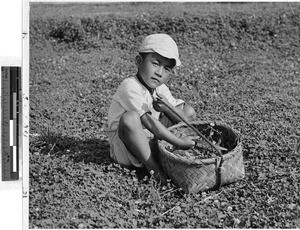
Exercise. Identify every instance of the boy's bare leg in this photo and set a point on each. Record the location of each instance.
(189, 112)
(132, 134)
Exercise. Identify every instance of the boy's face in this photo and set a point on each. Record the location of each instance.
(154, 69)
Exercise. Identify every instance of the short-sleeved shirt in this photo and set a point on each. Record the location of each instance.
(131, 95)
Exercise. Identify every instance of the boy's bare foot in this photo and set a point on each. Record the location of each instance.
(160, 176)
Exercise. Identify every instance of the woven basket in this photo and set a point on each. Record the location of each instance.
(193, 174)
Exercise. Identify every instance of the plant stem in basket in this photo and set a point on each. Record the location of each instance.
(192, 127)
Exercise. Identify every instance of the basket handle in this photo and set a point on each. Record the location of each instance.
(193, 128)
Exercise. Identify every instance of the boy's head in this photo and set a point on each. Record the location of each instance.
(162, 44)
(158, 56)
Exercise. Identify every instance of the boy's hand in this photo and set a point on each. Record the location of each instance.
(187, 142)
(157, 103)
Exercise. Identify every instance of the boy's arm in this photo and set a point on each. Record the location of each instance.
(159, 106)
(161, 132)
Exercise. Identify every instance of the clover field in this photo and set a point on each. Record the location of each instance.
(240, 66)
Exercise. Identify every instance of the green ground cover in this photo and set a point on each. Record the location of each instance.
(240, 66)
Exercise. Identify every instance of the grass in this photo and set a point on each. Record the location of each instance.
(240, 66)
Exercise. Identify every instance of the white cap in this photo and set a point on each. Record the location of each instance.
(162, 44)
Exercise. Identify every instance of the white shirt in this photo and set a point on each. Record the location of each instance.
(131, 95)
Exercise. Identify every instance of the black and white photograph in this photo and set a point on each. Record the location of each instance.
(169, 114)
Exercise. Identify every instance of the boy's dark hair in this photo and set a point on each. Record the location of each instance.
(143, 55)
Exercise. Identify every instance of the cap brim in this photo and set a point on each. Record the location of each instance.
(162, 53)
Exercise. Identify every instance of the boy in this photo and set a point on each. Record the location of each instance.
(137, 115)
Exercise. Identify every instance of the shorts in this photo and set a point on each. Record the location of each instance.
(118, 151)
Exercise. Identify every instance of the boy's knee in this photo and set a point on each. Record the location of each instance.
(129, 120)
(189, 112)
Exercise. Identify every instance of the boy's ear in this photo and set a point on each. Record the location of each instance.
(138, 59)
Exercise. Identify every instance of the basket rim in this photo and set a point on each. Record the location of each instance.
(194, 160)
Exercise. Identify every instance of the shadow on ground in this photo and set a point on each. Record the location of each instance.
(87, 151)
